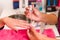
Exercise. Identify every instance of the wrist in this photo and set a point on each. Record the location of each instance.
(51, 18)
(44, 18)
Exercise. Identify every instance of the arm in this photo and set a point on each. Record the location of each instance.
(50, 18)
(41, 17)
(43, 37)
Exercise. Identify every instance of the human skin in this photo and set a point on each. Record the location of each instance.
(33, 35)
(41, 17)
(13, 23)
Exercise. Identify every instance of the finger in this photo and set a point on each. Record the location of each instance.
(17, 21)
(22, 24)
(14, 22)
(23, 21)
(27, 8)
(35, 18)
(33, 31)
(36, 12)
(11, 26)
(32, 5)
(31, 37)
(28, 34)
(26, 12)
(35, 9)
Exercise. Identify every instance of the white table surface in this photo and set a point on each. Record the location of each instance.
(47, 27)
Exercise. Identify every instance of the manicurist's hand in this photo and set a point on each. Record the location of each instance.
(35, 15)
(34, 35)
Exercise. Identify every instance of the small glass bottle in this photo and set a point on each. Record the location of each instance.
(39, 5)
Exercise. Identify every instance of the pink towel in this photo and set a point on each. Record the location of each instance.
(21, 34)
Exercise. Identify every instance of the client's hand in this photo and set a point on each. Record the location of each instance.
(12, 23)
(35, 15)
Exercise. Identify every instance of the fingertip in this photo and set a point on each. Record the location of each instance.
(26, 12)
(27, 8)
(27, 30)
(35, 9)
(28, 33)
(32, 5)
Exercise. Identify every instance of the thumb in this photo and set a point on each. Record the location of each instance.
(29, 35)
(34, 32)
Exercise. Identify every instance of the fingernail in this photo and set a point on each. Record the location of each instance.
(15, 31)
(28, 28)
